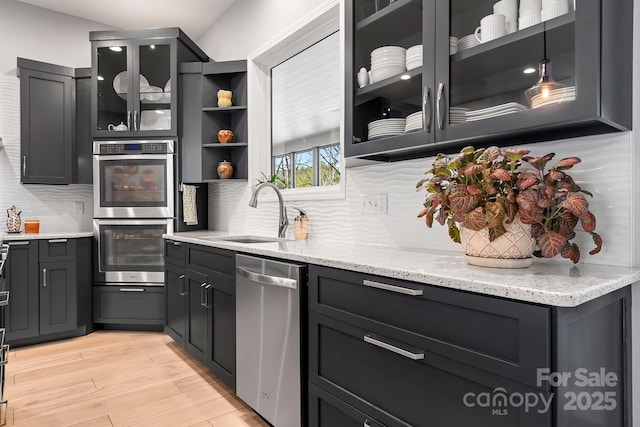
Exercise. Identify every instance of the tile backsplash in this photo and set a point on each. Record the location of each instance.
(53, 205)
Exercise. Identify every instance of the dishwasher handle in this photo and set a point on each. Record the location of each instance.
(266, 279)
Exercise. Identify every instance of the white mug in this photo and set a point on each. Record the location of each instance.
(528, 19)
(530, 6)
(491, 27)
(508, 8)
(553, 11)
(363, 77)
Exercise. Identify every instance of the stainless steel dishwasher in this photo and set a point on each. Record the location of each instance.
(268, 338)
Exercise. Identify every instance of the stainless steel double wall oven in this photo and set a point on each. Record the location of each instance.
(133, 206)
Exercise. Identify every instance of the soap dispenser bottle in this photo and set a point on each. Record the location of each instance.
(301, 225)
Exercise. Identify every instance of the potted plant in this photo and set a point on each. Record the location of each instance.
(499, 192)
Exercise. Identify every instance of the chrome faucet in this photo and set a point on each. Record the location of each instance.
(282, 209)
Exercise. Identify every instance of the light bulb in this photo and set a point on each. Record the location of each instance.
(545, 85)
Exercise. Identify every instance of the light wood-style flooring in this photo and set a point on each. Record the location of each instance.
(114, 378)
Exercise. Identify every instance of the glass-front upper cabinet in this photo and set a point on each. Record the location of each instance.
(134, 77)
(501, 72)
(390, 72)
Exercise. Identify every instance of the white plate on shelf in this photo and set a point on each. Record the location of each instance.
(155, 120)
(121, 83)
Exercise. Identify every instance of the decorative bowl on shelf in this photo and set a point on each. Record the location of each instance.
(225, 135)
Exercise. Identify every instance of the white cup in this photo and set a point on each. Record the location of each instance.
(508, 8)
(491, 27)
(530, 6)
(554, 11)
(529, 19)
(363, 77)
(547, 3)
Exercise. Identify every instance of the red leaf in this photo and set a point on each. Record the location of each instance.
(475, 220)
(474, 190)
(572, 252)
(491, 153)
(598, 241)
(588, 222)
(536, 230)
(501, 175)
(472, 169)
(566, 222)
(523, 184)
(423, 212)
(551, 243)
(566, 163)
(528, 199)
(539, 162)
(576, 204)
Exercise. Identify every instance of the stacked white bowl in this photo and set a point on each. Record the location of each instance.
(529, 13)
(453, 45)
(387, 61)
(414, 57)
(553, 8)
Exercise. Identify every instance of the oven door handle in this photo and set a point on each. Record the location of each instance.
(102, 157)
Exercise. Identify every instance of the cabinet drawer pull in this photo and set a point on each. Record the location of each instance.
(440, 110)
(18, 243)
(202, 301)
(58, 241)
(176, 243)
(131, 290)
(44, 277)
(392, 288)
(182, 292)
(426, 108)
(206, 296)
(401, 351)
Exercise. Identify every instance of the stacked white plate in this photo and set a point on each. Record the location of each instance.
(414, 122)
(386, 127)
(453, 45)
(414, 57)
(495, 111)
(467, 42)
(556, 96)
(387, 61)
(457, 115)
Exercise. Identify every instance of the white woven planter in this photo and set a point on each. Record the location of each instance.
(511, 250)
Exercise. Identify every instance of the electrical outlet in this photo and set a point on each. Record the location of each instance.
(78, 208)
(373, 204)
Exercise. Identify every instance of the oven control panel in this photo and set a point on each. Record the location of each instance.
(149, 147)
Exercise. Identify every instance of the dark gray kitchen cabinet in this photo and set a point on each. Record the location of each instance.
(398, 353)
(202, 119)
(135, 81)
(175, 284)
(129, 305)
(55, 142)
(50, 284)
(476, 95)
(201, 313)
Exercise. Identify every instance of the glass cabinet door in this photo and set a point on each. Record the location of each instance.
(389, 64)
(514, 65)
(153, 100)
(112, 112)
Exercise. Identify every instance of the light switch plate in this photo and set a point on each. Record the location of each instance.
(373, 204)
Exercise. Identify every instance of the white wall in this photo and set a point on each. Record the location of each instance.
(34, 33)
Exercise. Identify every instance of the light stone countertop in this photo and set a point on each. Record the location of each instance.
(7, 237)
(550, 282)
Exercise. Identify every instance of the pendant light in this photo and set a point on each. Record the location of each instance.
(545, 84)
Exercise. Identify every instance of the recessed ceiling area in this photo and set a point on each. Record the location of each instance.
(194, 17)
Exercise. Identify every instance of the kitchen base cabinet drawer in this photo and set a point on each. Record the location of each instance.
(506, 338)
(132, 305)
(326, 410)
(400, 385)
(218, 264)
(175, 252)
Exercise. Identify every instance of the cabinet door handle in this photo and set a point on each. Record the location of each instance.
(58, 241)
(182, 291)
(131, 290)
(206, 297)
(401, 351)
(202, 302)
(392, 288)
(24, 165)
(440, 105)
(135, 120)
(129, 120)
(176, 243)
(426, 108)
(18, 243)
(44, 277)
